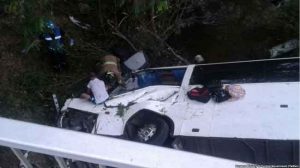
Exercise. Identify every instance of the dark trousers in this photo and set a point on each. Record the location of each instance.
(58, 59)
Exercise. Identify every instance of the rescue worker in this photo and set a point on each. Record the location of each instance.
(109, 70)
(96, 90)
(53, 39)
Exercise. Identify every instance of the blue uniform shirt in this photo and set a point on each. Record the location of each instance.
(53, 41)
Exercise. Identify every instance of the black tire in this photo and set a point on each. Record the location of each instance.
(160, 136)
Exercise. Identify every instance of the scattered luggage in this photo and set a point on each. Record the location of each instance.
(199, 94)
(220, 95)
(216, 91)
(236, 91)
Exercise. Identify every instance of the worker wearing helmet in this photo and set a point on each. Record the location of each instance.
(109, 70)
(52, 36)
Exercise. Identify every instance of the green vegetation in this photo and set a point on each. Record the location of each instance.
(220, 30)
(27, 81)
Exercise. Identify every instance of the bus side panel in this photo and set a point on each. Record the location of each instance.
(275, 152)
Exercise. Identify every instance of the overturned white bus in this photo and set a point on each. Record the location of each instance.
(157, 108)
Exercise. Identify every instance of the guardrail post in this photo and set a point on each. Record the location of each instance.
(61, 162)
(21, 157)
(101, 166)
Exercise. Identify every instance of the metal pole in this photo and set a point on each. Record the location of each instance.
(101, 166)
(61, 162)
(21, 157)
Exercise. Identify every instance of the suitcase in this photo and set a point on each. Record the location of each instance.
(199, 94)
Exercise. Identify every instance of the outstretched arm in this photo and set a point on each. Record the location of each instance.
(36, 42)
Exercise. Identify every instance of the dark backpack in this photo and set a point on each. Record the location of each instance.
(199, 94)
(220, 95)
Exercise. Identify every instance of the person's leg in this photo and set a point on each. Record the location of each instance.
(54, 57)
(85, 96)
(60, 60)
(63, 58)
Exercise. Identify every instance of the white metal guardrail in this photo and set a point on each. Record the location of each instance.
(97, 149)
